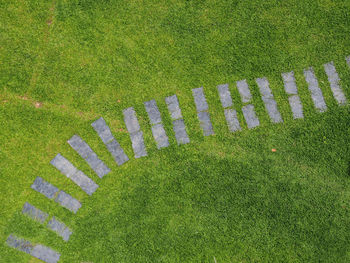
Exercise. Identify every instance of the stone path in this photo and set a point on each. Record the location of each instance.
(248, 109)
(316, 93)
(291, 89)
(334, 82)
(202, 111)
(348, 60)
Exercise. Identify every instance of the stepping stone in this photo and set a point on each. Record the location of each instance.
(199, 99)
(111, 143)
(202, 107)
(180, 132)
(316, 93)
(225, 95)
(205, 123)
(39, 251)
(136, 135)
(34, 213)
(244, 91)
(291, 89)
(267, 97)
(173, 107)
(232, 120)
(84, 150)
(250, 116)
(52, 192)
(77, 176)
(348, 60)
(334, 81)
(153, 112)
(59, 228)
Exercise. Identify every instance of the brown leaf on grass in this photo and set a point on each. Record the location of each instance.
(38, 104)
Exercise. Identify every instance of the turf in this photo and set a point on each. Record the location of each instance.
(223, 198)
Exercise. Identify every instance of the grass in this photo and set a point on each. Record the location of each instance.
(224, 198)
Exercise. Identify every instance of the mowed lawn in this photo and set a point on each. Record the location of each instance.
(223, 198)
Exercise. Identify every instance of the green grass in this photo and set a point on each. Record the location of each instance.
(226, 197)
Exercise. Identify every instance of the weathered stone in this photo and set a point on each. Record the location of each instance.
(138, 144)
(225, 95)
(290, 85)
(84, 182)
(130, 120)
(334, 81)
(34, 213)
(68, 201)
(45, 188)
(199, 99)
(59, 228)
(19, 244)
(205, 123)
(160, 136)
(244, 91)
(180, 132)
(63, 165)
(45, 254)
(232, 121)
(173, 107)
(297, 108)
(153, 112)
(117, 152)
(348, 60)
(102, 130)
(250, 116)
(316, 93)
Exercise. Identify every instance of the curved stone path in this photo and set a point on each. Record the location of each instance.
(159, 134)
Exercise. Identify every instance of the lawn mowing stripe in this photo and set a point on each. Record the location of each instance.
(178, 123)
(136, 135)
(111, 143)
(316, 92)
(333, 79)
(60, 228)
(34, 213)
(248, 110)
(39, 251)
(71, 172)
(158, 131)
(202, 114)
(85, 151)
(268, 99)
(52, 192)
(291, 89)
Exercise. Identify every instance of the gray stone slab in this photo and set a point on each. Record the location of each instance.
(34, 213)
(84, 182)
(60, 228)
(205, 123)
(173, 107)
(138, 144)
(244, 91)
(45, 254)
(19, 244)
(264, 88)
(68, 201)
(153, 112)
(130, 120)
(348, 60)
(84, 150)
(117, 152)
(296, 106)
(290, 85)
(160, 136)
(316, 93)
(180, 131)
(232, 120)
(225, 95)
(334, 81)
(102, 130)
(45, 188)
(250, 116)
(63, 165)
(199, 99)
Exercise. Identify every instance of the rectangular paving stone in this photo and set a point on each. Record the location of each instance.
(138, 144)
(45, 188)
(160, 136)
(334, 81)
(199, 99)
(250, 116)
(290, 85)
(348, 60)
(316, 93)
(45, 254)
(296, 106)
(61, 229)
(153, 112)
(68, 201)
(267, 97)
(77, 176)
(225, 95)
(34, 213)
(205, 123)
(244, 91)
(117, 152)
(180, 131)
(130, 120)
(102, 130)
(84, 150)
(232, 120)
(19, 244)
(173, 107)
